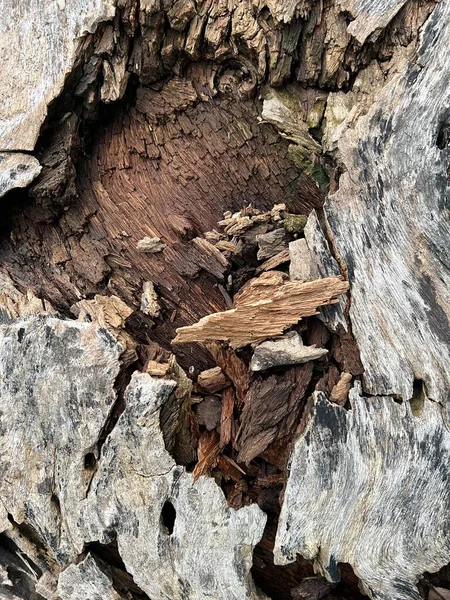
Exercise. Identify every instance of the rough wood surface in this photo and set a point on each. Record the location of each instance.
(72, 486)
(379, 474)
(49, 36)
(288, 350)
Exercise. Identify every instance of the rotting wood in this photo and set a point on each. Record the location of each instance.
(265, 314)
(271, 410)
(194, 146)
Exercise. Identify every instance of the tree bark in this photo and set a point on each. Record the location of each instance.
(224, 306)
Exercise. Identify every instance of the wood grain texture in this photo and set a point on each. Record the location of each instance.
(369, 487)
(389, 223)
(85, 581)
(48, 34)
(370, 15)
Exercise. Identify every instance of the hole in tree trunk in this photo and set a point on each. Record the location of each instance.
(168, 516)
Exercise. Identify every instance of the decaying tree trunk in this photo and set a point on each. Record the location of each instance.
(224, 299)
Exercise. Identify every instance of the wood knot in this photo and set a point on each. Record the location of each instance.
(236, 79)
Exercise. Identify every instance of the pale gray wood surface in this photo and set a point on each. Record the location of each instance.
(369, 487)
(389, 220)
(39, 42)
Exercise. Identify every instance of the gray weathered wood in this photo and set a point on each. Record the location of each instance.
(56, 393)
(85, 581)
(49, 35)
(388, 221)
(287, 350)
(369, 487)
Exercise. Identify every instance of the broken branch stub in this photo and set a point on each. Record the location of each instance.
(266, 313)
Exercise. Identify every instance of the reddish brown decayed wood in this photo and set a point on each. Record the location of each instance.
(226, 419)
(208, 453)
(266, 314)
(232, 366)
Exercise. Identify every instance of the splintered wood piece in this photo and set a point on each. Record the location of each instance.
(288, 350)
(156, 369)
(212, 380)
(149, 300)
(271, 243)
(235, 369)
(267, 314)
(339, 393)
(226, 418)
(274, 262)
(208, 453)
(229, 468)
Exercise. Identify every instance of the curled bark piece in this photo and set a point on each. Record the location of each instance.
(17, 171)
(380, 475)
(288, 350)
(264, 314)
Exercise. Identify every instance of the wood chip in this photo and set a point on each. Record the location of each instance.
(274, 262)
(209, 412)
(149, 300)
(150, 245)
(288, 350)
(234, 368)
(208, 453)
(339, 393)
(271, 243)
(213, 380)
(223, 245)
(302, 267)
(156, 369)
(226, 418)
(268, 314)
